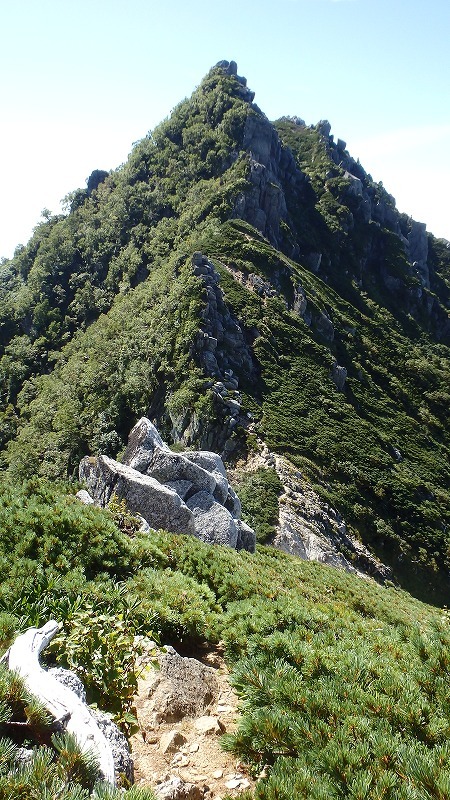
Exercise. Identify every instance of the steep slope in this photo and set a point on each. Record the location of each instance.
(234, 280)
(343, 683)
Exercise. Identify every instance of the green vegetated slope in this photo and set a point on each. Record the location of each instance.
(100, 311)
(109, 374)
(379, 450)
(343, 683)
(76, 268)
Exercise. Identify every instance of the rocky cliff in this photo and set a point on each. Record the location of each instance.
(279, 188)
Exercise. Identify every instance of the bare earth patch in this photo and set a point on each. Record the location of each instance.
(183, 708)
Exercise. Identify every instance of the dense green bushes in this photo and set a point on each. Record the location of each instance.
(44, 527)
(343, 683)
(96, 392)
(378, 450)
(258, 493)
(74, 269)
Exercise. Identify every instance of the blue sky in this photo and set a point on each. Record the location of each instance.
(83, 79)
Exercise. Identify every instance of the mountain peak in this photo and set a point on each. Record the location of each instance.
(230, 68)
(318, 314)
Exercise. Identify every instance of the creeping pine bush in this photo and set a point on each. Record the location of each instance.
(41, 522)
(8, 626)
(57, 769)
(343, 683)
(258, 493)
(180, 607)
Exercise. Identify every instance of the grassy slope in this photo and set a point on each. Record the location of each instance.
(394, 398)
(86, 350)
(346, 442)
(343, 683)
(108, 375)
(76, 268)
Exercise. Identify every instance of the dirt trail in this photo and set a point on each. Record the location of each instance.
(189, 748)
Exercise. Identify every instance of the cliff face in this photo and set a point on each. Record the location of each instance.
(238, 278)
(272, 167)
(382, 243)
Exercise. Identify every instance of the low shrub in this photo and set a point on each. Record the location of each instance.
(259, 492)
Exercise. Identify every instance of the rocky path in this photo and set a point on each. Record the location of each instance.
(183, 708)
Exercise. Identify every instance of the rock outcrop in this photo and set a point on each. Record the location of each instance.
(158, 504)
(273, 172)
(412, 283)
(338, 376)
(312, 530)
(309, 528)
(230, 68)
(180, 492)
(181, 687)
(223, 348)
(183, 707)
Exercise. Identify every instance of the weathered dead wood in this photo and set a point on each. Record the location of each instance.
(61, 702)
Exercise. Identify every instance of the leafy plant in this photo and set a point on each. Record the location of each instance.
(126, 521)
(102, 649)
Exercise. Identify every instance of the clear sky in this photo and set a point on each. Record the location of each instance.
(81, 80)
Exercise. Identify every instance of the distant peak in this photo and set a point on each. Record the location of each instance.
(230, 68)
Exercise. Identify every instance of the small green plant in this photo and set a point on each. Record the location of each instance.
(126, 521)
(8, 627)
(17, 705)
(101, 648)
(79, 767)
(59, 771)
